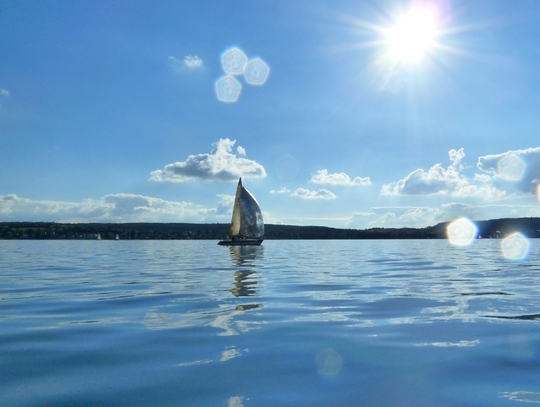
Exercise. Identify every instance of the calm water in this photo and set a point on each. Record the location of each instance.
(290, 323)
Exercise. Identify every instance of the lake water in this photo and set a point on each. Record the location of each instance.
(290, 323)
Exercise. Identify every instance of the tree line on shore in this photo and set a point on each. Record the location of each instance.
(498, 228)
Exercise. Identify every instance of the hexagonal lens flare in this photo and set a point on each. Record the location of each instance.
(228, 89)
(511, 167)
(515, 247)
(461, 232)
(256, 72)
(234, 61)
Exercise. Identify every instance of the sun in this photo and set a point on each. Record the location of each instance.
(413, 35)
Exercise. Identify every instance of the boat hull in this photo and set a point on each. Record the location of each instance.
(240, 242)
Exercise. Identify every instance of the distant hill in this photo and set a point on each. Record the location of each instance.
(496, 228)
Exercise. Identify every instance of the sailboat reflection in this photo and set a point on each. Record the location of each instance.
(246, 255)
(245, 282)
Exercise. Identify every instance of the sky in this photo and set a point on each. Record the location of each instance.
(349, 114)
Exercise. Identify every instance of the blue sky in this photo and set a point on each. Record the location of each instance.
(109, 111)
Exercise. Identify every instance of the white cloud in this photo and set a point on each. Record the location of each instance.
(280, 191)
(406, 216)
(4, 92)
(193, 62)
(456, 156)
(444, 181)
(323, 177)
(225, 205)
(307, 194)
(220, 165)
(110, 208)
(526, 163)
(419, 217)
(189, 63)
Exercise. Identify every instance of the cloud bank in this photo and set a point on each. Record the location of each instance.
(444, 181)
(111, 208)
(423, 216)
(519, 166)
(308, 194)
(323, 177)
(280, 191)
(220, 165)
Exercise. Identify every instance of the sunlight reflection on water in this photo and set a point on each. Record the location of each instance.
(525, 396)
(313, 323)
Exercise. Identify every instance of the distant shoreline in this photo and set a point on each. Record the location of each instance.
(496, 228)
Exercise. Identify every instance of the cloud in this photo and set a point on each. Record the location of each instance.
(110, 208)
(220, 165)
(444, 181)
(189, 63)
(423, 216)
(520, 166)
(193, 62)
(406, 216)
(323, 177)
(307, 194)
(4, 92)
(225, 205)
(280, 191)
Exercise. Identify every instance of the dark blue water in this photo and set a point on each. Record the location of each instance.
(290, 323)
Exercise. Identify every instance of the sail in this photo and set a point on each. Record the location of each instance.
(247, 217)
(235, 222)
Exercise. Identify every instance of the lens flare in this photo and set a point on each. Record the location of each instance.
(234, 61)
(538, 192)
(461, 232)
(329, 362)
(515, 247)
(256, 72)
(511, 167)
(287, 167)
(228, 89)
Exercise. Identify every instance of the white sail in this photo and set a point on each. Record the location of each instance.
(251, 220)
(247, 221)
(236, 218)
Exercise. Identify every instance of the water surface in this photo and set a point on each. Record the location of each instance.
(289, 323)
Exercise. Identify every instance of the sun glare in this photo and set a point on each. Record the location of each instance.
(413, 35)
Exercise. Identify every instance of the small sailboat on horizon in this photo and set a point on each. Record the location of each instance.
(247, 225)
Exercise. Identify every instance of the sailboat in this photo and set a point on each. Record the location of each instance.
(247, 226)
